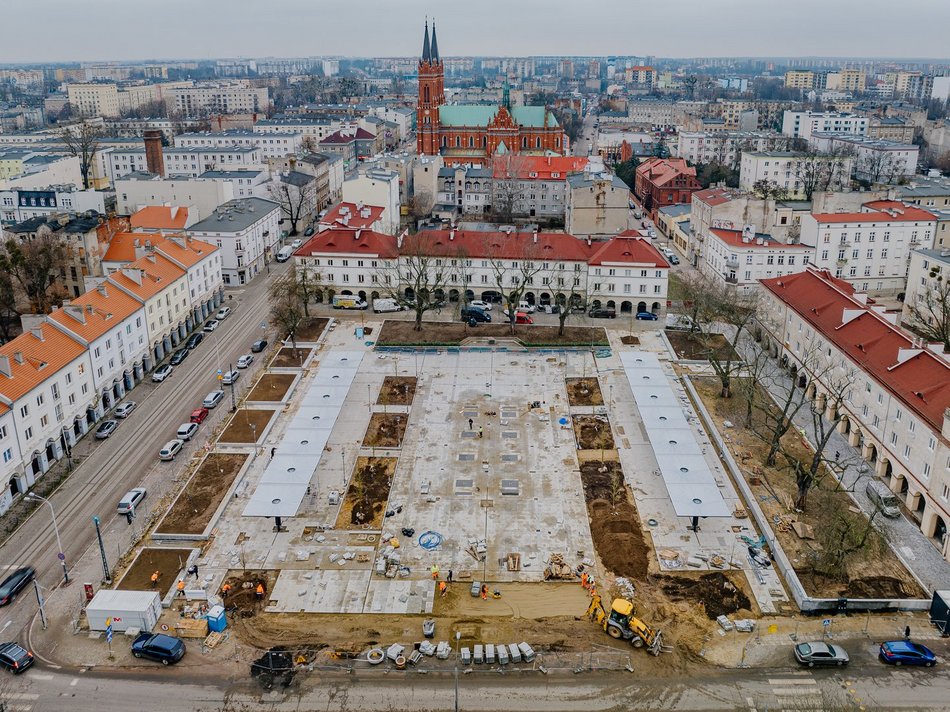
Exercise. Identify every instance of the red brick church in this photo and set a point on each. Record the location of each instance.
(472, 133)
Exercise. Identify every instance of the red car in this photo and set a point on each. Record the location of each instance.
(198, 415)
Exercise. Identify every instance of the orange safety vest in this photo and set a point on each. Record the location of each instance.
(181, 585)
(442, 586)
(260, 589)
(155, 577)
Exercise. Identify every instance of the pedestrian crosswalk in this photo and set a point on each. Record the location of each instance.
(797, 691)
(18, 701)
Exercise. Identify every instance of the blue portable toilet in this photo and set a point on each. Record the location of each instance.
(216, 620)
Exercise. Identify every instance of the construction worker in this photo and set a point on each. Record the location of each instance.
(181, 587)
(584, 578)
(484, 592)
(481, 430)
(442, 588)
(225, 590)
(435, 572)
(193, 569)
(471, 424)
(449, 577)
(155, 578)
(259, 591)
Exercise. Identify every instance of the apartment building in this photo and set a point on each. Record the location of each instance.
(18, 205)
(897, 408)
(874, 160)
(271, 145)
(312, 129)
(726, 147)
(94, 99)
(199, 196)
(225, 98)
(870, 248)
(743, 257)
(799, 79)
(664, 181)
(794, 171)
(598, 205)
(246, 231)
(203, 264)
(847, 80)
(927, 276)
(625, 273)
(891, 128)
(802, 124)
(376, 186)
(356, 216)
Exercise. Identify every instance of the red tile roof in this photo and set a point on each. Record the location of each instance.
(349, 241)
(544, 167)
(160, 217)
(121, 247)
(500, 245)
(628, 249)
(351, 217)
(348, 136)
(734, 238)
(155, 272)
(92, 314)
(661, 171)
(184, 251)
(33, 360)
(921, 381)
(715, 196)
(878, 211)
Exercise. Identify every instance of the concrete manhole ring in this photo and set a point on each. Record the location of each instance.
(375, 656)
(652, 522)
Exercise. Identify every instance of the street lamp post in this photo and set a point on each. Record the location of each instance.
(458, 635)
(59, 544)
(230, 376)
(106, 576)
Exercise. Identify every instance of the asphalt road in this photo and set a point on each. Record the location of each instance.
(872, 688)
(119, 463)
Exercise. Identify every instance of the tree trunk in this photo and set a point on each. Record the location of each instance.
(418, 326)
(726, 387)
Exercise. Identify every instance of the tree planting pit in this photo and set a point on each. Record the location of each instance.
(197, 503)
(364, 505)
(593, 432)
(614, 522)
(397, 390)
(310, 330)
(168, 563)
(272, 387)
(242, 595)
(288, 357)
(716, 592)
(247, 426)
(584, 391)
(386, 430)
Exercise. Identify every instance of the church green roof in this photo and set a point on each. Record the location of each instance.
(481, 115)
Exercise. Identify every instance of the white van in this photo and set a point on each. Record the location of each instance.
(380, 306)
(882, 498)
(284, 253)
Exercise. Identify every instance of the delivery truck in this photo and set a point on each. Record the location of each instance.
(348, 301)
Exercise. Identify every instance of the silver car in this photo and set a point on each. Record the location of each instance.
(815, 654)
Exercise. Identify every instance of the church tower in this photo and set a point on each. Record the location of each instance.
(431, 95)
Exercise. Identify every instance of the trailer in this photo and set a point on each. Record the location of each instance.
(126, 609)
(940, 611)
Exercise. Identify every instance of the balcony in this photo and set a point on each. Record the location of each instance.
(841, 261)
(732, 264)
(731, 279)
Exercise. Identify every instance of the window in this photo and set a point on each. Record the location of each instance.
(43, 421)
(24, 411)
(28, 433)
(906, 451)
(39, 399)
(8, 455)
(893, 438)
(932, 443)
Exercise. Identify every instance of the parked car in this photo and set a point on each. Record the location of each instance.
(230, 377)
(123, 409)
(479, 304)
(211, 325)
(131, 500)
(178, 357)
(906, 652)
(812, 654)
(551, 308)
(106, 429)
(527, 307)
(212, 399)
(170, 449)
(646, 316)
(166, 649)
(186, 431)
(521, 318)
(473, 315)
(161, 373)
(296, 243)
(15, 658)
(258, 346)
(14, 583)
(308, 232)
(602, 313)
(223, 313)
(194, 340)
(198, 415)
(245, 361)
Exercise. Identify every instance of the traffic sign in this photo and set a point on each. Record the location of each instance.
(109, 634)
(61, 556)
(826, 622)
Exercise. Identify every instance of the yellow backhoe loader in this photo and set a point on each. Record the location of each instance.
(621, 624)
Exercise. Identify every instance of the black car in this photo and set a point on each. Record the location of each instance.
(14, 583)
(178, 357)
(166, 649)
(473, 315)
(599, 313)
(194, 340)
(15, 658)
(259, 346)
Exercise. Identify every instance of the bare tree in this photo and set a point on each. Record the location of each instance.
(285, 306)
(309, 144)
(505, 189)
(36, 267)
(514, 272)
(880, 167)
(82, 141)
(765, 188)
(929, 308)
(305, 281)
(577, 298)
(818, 172)
(9, 313)
(416, 280)
(420, 205)
(295, 200)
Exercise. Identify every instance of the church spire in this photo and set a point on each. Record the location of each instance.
(435, 45)
(426, 52)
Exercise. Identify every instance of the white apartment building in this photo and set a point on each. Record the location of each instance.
(896, 409)
(793, 171)
(802, 124)
(202, 264)
(271, 145)
(20, 204)
(316, 128)
(195, 161)
(226, 98)
(246, 231)
(870, 248)
(875, 160)
(625, 273)
(244, 183)
(200, 196)
(727, 146)
(743, 257)
(376, 186)
(94, 99)
(927, 275)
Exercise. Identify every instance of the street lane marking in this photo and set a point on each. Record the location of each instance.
(74, 682)
(791, 681)
(18, 708)
(21, 696)
(39, 676)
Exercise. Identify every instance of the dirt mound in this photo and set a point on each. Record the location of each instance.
(614, 522)
(241, 598)
(714, 591)
(584, 391)
(865, 587)
(593, 432)
(368, 493)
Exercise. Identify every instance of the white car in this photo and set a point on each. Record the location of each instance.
(186, 431)
(479, 304)
(123, 410)
(296, 243)
(230, 377)
(162, 372)
(211, 325)
(170, 449)
(223, 313)
(131, 500)
(212, 399)
(245, 361)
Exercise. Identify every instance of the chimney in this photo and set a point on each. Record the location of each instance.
(37, 332)
(451, 235)
(588, 241)
(154, 158)
(400, 239)
(18, 356)
(102, 290)
(535, 237)
(5, 366)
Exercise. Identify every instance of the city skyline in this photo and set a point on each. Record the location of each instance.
(727, 28)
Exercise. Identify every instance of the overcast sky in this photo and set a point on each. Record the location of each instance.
(82, 30)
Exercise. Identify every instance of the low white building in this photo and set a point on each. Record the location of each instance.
(376, 187)
(743, 257)
(893, 390)
(22, 204)
(794, 171)
(200, 197)
(726, 147)
(271, 145)
(870, 248)
(246, 231)
(203, 268)
(874, 160)
(802, 124)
